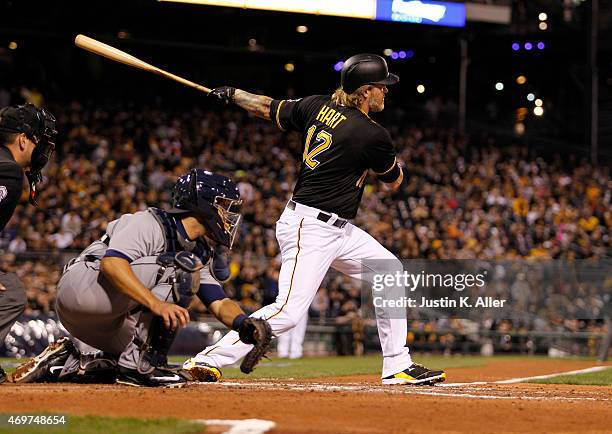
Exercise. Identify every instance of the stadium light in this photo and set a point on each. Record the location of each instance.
(338, 66)
(528, 46)
(541, 45)
(420, 88)
(394, 55)
(521, 79)
(12, 45)
(538, 111)
(402, 54)
(409, 54)
(530, 97)
(387, 52)
(289, 67)
(543, 26)
(301, 29)
(252, 45)
(499, 85)
(539, 102)
(543, 16)
(516, 46)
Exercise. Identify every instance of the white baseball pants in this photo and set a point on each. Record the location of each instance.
(309, 247)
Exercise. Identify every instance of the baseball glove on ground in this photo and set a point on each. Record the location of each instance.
(258, 333)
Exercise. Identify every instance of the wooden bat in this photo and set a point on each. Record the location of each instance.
(113, 53)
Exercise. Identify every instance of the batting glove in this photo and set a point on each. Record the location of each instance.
(224, 94)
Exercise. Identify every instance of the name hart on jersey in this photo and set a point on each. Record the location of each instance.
(330, 117)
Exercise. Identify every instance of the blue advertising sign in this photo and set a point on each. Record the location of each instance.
(421, 12)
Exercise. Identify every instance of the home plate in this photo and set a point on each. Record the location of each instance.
(240, 426)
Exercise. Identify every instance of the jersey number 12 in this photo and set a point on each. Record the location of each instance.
(322, 142)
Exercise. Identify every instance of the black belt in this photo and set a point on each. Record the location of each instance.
(339, 223)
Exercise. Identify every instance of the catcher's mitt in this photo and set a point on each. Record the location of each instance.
(257, 332)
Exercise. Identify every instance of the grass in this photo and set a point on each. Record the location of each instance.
(600, 378)
(8, 364)
(98, 425)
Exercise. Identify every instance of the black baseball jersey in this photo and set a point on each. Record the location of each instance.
(11, 185)
(340, 145)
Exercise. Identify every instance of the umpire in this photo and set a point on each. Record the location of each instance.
(27, 137)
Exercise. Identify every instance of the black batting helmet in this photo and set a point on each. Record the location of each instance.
(213, 198)
(364, 69)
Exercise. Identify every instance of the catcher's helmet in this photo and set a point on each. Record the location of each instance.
(39, 126)
(364, 69)
(213, 198)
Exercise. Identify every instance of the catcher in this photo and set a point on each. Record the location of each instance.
(126, 295)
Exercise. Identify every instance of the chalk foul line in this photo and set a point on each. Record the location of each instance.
(542, 377)
(524, 379)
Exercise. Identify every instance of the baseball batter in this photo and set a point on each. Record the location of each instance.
(125, 296)
(341, 144)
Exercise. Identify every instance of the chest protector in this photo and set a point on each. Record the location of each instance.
(168, 225)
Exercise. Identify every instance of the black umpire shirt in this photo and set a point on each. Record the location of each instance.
(340, 145)
(11, 185)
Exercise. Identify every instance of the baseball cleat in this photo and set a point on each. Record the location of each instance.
(416, 374)
(200, 371)
(158, 377)
(40, 367)
(95, 367)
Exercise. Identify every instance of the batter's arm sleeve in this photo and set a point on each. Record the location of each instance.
(293, 114)
(380, 156)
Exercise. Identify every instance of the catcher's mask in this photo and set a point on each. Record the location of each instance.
(39, 126)
(213, 199)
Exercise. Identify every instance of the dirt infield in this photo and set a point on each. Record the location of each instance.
(357, 404)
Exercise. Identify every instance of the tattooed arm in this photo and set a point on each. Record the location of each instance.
(257, 105)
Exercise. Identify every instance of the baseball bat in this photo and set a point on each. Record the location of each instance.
(113, 53)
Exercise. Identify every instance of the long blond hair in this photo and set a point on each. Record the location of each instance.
(354, 99)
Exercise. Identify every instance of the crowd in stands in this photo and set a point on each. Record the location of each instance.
(463, 198)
